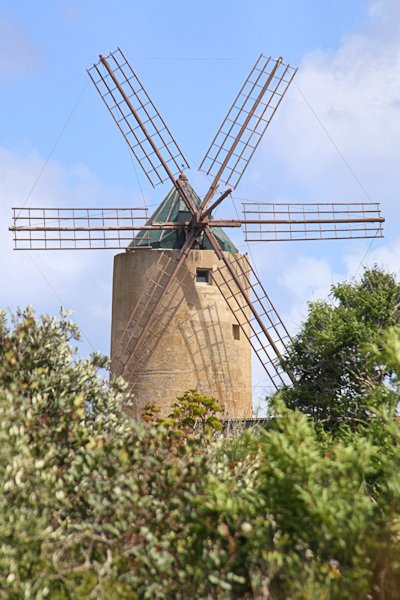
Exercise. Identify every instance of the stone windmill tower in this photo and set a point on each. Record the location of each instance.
(188, 308)
(193, 339)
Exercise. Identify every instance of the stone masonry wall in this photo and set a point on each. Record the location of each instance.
(198, 349)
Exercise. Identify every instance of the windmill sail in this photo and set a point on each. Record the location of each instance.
(269, 342)
(151, 316)
(246, 122)
(79, 228)
(143, 128)
(272, 222)
(156, 307)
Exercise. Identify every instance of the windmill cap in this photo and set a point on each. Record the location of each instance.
(182, 176)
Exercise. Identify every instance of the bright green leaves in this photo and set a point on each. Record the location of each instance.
(332, 358)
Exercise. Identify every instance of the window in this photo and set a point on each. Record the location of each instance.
(203, 276)
(236, 332)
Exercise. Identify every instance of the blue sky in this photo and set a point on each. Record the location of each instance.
(192, 58)
(60, 39)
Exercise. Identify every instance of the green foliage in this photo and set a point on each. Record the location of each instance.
(194, 415)
(94, 505)
(332, 359)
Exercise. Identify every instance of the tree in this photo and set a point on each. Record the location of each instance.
(331, 357)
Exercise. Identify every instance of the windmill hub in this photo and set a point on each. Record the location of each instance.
(200, 219)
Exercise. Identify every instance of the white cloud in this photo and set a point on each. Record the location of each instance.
(307, 279)
(385, 256)
(310, 278)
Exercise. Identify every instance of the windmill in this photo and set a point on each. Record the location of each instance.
(188, 307)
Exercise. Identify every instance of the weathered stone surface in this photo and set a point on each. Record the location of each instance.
(197, 349)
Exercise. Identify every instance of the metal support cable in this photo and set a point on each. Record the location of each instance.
(52, 288)
(43, 168)
(345, 161)
(64, 127)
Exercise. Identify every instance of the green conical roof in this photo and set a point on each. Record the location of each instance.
(173, 209)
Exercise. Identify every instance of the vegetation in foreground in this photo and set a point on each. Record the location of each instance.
(94, 505)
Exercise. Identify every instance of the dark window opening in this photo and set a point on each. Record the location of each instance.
(236, 332)
(203, 276)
